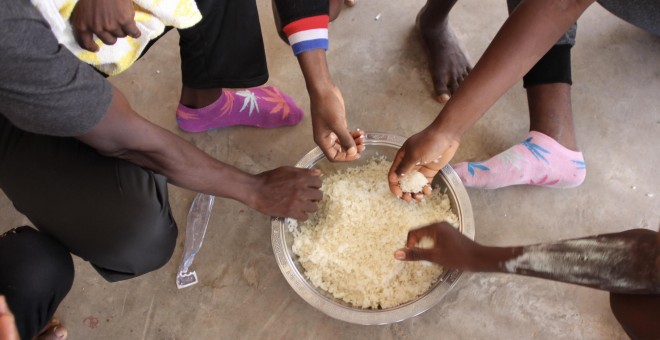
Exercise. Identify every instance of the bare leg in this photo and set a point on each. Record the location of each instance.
(639, 315)
(548, 156)
(448, 62)
(550, 112)
(198, 98)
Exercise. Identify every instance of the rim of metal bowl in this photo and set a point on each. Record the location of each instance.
(332, 307)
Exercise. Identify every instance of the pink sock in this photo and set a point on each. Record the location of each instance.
(264, 107)
(539, 160)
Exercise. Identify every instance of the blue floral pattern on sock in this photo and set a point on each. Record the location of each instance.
(472, 165)
(579, 165)
(535, 149)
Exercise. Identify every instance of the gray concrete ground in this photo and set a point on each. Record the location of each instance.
(381, 68)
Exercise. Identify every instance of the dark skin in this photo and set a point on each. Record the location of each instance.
(633, 279)
(112, 20)
(282, 192)
(524, 38)
(448, 63)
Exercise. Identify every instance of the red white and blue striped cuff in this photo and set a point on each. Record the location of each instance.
(308, 33)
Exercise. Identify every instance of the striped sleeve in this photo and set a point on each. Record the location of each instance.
(308, 33)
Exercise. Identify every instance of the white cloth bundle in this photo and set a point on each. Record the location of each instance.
(151, 17)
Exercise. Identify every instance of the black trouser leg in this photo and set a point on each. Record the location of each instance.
(225, 49)
(36, 273)
(110, 212)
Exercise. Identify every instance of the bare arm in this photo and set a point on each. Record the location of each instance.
(626, 262)
(124, 134)
(331, 131)
(304, 25)
(525, 37)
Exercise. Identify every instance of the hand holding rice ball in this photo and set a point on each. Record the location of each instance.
(414, 183)
(426, 152)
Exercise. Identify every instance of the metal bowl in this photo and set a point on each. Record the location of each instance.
(376, 144)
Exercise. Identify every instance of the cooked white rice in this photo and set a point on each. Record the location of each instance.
(347, 247)
(414, 182)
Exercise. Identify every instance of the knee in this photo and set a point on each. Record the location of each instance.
(149, 247)
(35, 267)
(37, 273)
(155, 245)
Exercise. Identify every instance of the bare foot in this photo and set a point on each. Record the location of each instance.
(350, 3)
(448, 62)
(54, 330)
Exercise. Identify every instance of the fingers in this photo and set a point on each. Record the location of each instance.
(107, 37)
(414, 254)
(393, 177)
(313, 195)
(407, 163)
(131, 29)
(343, 145)
(86, 41)
(358, 137)
(313, 178)
(347, 142)
(85, 38)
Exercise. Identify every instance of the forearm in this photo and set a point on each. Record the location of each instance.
(305, 24)
(314, 67)
(124, 134)
(525, 37)
(622, 262)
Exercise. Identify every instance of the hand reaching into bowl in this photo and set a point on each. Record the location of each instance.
(427, 152)
(450, 247)
(330, 129)
(287, 192)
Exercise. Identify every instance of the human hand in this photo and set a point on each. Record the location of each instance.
(108, 19)
(450, 248)
(8, 329)
(331, 133)
(427, 152)
(288, 192)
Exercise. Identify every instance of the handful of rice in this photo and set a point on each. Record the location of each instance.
(347, 246)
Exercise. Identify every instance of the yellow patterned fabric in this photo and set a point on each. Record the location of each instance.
(151, 17)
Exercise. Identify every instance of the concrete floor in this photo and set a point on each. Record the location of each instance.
(381, 68)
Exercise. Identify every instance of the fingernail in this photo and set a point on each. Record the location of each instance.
(400, 255)
(418, 163)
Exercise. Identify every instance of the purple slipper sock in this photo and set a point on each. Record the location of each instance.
(264, 107)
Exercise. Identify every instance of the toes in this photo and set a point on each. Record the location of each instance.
(442, 98)
(350, 3)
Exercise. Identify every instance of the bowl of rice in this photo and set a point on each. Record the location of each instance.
(341, 260)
